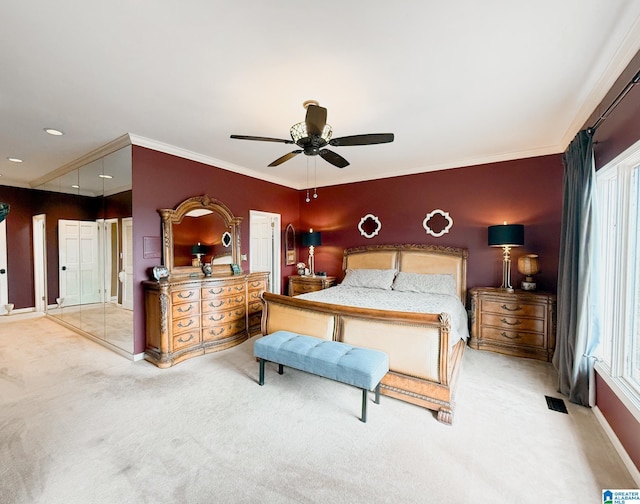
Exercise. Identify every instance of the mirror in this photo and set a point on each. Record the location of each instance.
(290, 245)
(200, 230)
(87, 214)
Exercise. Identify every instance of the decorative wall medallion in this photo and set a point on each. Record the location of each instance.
(226, 238)
(437, 223)
(369, 226)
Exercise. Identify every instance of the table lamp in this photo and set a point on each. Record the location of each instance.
(312, 239)
(506, 236)
(198, 251)
(528, 265)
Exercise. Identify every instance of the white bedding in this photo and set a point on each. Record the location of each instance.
(385, 299)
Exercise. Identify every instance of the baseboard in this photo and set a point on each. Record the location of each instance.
(138, 357)
(631, 467)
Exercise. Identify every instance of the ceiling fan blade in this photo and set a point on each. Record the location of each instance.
(262, 139)
(372, 138)
(286, 157)
(316, 119)
(333, 158)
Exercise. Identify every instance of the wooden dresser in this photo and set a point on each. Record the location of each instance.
(519, 323)
(187, 317)
(301, 284)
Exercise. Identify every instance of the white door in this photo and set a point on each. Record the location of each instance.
(264, 247)
(4, 282)
(39, 262)
(79, 264)
(127, 263)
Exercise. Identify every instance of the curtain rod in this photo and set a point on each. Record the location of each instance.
(616, 102)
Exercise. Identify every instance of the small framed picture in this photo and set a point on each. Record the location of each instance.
(236, 269)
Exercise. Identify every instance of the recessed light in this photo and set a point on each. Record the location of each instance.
(54, 132)
(14, 160)
(75, 186)
(104, 176)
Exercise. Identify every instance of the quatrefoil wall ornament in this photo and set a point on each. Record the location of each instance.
(369, 226)
(226, 238)
(437, 222)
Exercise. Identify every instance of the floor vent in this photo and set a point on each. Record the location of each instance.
(556, 404)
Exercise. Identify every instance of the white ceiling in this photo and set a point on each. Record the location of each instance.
(459, 83)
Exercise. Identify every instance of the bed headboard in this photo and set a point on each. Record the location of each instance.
(429, 259)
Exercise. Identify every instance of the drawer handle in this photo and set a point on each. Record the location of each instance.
(182, 310)
(213, 318)
(185, 297)
(517, 336)
(505, 321)
(213, 304)
(214, 291)
(213, 332)
(239, 287)
(190, 323)
(239, 299)
(180, 340)
(505, 307)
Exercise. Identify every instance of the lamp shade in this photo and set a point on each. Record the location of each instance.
(528, 264)
(506, 235)
(199, 249)
(314, 238)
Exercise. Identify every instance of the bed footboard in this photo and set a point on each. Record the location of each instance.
(422, 368)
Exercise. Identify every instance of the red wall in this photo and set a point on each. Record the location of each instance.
(526, 191)
(163, 181)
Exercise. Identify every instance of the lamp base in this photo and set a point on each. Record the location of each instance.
(528, 286)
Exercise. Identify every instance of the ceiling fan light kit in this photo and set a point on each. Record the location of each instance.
(314, 134)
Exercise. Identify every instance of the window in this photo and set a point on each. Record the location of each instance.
(618, 213)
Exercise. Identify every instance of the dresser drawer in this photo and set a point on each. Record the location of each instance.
(512, 307)
(512, 336)
(511, 323)
(185, 309)
(185, 295)
(255, 307)
(223, 317)
(303, 288)
(186, 339)
(223, 331)
(223, 303)
(257, 285)
(215, 291)
(186, 324)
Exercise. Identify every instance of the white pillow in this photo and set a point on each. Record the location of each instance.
(371, 278)
(417, 282)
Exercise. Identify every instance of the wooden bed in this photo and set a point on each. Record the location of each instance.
(423, 365)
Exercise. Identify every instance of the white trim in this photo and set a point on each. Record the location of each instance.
(276, 252)
(621, 390)
(39, 262)
(633, 470)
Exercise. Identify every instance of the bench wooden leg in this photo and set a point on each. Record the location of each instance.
(280, 369)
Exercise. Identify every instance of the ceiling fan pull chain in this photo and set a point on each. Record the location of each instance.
(307, 199)
(315, 178)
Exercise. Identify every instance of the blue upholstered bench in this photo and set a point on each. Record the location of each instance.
(360, 367)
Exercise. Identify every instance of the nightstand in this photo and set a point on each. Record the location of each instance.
(301, 284)
(519, 323)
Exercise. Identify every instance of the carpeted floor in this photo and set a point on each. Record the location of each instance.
(81, 424)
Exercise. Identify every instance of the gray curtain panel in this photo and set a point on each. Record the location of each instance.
(577, 323)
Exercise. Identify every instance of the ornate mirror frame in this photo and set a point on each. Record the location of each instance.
(290, 245)
(170, 217)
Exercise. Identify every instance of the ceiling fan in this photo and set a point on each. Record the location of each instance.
(314, 134)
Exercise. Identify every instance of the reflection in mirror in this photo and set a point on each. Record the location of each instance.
(89, 243)
(290, 245)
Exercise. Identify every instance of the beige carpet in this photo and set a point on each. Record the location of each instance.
(80, 424)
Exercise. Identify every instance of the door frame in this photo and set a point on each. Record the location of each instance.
(4, 277)
(41, 301)
(276, 263)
